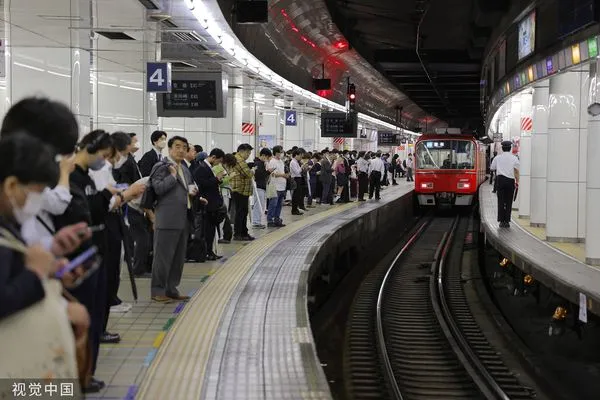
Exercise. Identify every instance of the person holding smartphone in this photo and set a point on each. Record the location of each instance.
(27, 168)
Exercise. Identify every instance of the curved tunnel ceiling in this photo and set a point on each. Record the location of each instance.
(444, 76)
(301, 38)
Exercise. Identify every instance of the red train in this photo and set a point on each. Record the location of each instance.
(448, 169)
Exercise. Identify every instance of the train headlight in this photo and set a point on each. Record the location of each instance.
(464, 185)
(427, 185)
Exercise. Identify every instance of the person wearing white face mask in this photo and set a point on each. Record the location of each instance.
(92, 206)
(159, 142)
(29, 298)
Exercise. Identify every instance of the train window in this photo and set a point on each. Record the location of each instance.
(449, 154)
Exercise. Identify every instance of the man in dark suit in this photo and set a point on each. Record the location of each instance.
(159, 142)
(326, 178)
(174, 187)
(208, 187)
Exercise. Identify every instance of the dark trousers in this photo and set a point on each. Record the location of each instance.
(92, 295)
(241, 214)
(210, 229)
(112, 262)
(326, 193)
(506, 191)
(139, 230)
(298, 195)
(375, 184)
(363, 184)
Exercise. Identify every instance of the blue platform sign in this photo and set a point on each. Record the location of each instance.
(290, 118)
(158, 77)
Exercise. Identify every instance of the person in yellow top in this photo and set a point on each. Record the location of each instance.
(241, 188)
(224, 229)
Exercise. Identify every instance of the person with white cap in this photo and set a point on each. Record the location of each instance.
(506, 166)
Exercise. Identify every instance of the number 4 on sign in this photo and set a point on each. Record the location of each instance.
(291, 119)
(157, 77)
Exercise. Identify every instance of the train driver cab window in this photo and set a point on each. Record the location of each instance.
(445, 154)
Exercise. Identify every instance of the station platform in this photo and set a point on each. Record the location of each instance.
(245, 332)
(559, 266)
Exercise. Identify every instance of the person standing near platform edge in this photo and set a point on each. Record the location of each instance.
(506, 166)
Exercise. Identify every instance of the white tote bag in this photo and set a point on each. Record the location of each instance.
(38, 342)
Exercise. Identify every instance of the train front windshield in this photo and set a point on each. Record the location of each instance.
(445, 154)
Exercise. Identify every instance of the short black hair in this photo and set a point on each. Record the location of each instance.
(198, 148)
(95, 141)
(277, 150)
(47, 120)
(217, 153)
(245, 146)
(157, 135)
(27, 158)
(175, 138)
(121, 140)
(265, 152)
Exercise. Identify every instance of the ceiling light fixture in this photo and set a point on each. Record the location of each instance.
(237, 51)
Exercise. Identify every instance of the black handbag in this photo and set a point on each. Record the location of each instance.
(220, 214)
(149, 197)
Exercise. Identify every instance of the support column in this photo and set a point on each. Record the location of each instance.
(566, 132)
(524, 194)
(539, 155)
(592, 236)
(514, 125)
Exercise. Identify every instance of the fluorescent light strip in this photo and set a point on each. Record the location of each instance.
(241, 55)
(59, 74)
(29, 67)
(131, 88)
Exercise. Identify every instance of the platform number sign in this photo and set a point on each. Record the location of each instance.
(290, 118)
(158, 77)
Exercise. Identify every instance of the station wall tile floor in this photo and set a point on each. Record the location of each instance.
(122, 366)
(575, 250)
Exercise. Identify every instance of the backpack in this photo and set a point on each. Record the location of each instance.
(404, 163)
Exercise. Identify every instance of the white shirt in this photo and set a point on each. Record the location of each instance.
(376, 165)
(409, 162)
(505, 164)
(295, 169)
(55, 202)
(363, 165)
(279, 168)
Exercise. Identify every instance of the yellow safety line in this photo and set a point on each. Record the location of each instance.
(178, 370)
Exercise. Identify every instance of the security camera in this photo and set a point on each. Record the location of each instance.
(594, 109)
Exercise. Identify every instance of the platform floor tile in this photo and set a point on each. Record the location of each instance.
(143, 329)
(565, 273)
(234, 305)
(575, 250)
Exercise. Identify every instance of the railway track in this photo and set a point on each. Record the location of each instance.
(411, 335)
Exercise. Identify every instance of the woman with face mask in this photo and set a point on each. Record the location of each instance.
(29, 298)
(26, 169)
(92, 206)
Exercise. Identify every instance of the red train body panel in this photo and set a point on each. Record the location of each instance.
(448, 169)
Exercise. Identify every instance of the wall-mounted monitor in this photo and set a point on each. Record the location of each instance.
(339, 124)
(527, 35)
(195, 95)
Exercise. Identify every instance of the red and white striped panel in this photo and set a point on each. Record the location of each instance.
(247, 129)
(338, 140)
(526, 124)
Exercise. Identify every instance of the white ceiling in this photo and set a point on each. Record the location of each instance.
(67, 23)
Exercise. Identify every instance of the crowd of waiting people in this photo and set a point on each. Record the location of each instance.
(70, 206)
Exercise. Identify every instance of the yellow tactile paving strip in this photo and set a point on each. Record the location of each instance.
(179, 368)
(575, 250)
